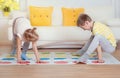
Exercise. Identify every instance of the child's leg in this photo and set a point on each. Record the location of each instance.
(25, 48)
(14, 46)
(98, 39)
(85, 47)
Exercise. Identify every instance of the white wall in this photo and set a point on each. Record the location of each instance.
(3, 30)
(116, 4)
(75, 3)
(70, 3)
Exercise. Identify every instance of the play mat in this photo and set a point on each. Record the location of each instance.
(56, 58)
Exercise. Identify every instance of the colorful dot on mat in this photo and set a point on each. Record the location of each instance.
(93, 58)
(45, 62)
(59, 58)
(5, 62)
(45, 53)
(60, 62)
(60, 53)
(8, 59)
(24, 62)
(44, 58)
(75, 58)
(96, 61)
(75, 62)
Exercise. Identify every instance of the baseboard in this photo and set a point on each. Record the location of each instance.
(61, 46)
(51, 45)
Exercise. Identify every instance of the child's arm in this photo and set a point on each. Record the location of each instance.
(18, 49)
(34, 45)
(99, 52)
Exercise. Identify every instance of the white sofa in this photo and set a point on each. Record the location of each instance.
(58, 36)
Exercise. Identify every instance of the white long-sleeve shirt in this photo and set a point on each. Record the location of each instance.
(21, 25)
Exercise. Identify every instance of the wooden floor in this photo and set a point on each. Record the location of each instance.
(60, 71)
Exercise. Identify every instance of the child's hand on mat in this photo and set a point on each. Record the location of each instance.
(19, 60)
(40, 61)
(101, 61)
(22, 62)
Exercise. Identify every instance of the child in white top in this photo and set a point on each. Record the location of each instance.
(23, 32)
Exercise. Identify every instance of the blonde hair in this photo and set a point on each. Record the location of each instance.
(31, 35)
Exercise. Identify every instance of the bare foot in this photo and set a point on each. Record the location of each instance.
(80, 62)
(98, 61)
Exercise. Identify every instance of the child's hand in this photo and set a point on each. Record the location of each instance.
(19, 60)
(22, 62)
(101, 61)
(40, 61)
(98, 61)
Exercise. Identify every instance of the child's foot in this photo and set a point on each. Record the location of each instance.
(101, 61)
(23, 62)
(80, 62)
(24, 57)
(83, 59)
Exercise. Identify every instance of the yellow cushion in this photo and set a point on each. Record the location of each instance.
(40, 16)
(70, 15)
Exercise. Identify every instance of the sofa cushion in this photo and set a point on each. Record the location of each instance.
(40, 16)
(70, 15)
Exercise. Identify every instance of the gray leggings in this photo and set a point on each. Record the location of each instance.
(96, 40)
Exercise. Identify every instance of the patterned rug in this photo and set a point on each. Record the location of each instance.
(56, 58)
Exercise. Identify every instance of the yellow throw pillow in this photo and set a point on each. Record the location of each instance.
(70, 15)
(40, 16)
